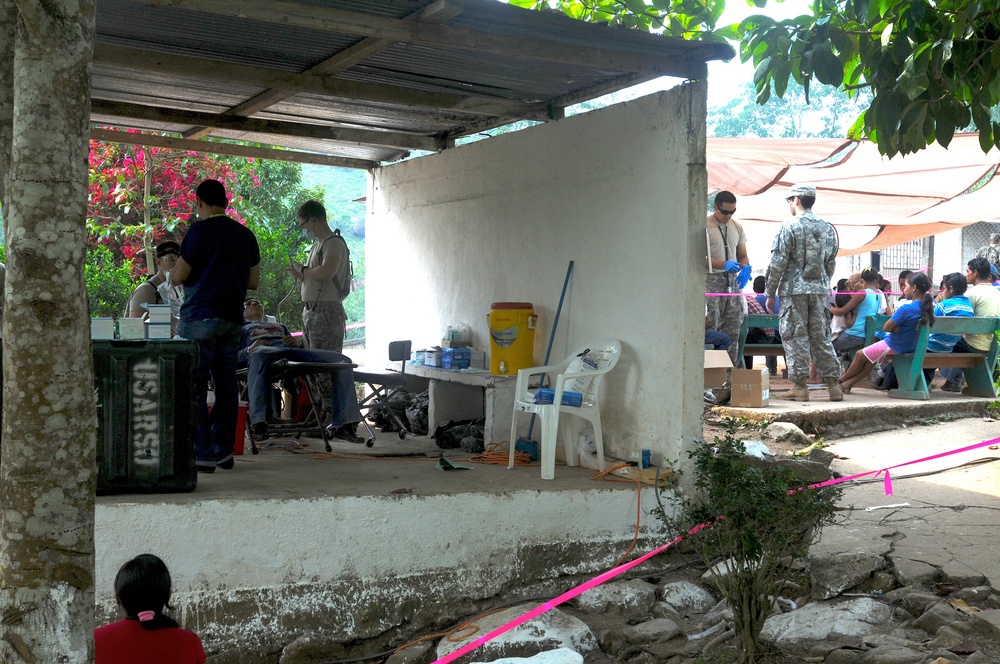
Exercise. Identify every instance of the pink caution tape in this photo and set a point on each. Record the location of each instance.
(566, 596)
(610, 574)
(887, 480)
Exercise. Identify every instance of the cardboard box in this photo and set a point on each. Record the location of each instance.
(102, 328)
(131, 328)
(432, 358)
(158, 331)
(158, 313)
(548, 395)
(751, 388)
(717, 366)
(454, 363)
(456, 358)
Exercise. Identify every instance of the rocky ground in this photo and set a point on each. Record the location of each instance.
(861, 607)
(859, 604)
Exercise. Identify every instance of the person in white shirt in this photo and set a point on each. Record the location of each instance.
(985, 300)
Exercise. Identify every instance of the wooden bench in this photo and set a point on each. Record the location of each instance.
(743, 348)
(979, 367)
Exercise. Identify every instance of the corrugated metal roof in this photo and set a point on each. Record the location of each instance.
(390, 75)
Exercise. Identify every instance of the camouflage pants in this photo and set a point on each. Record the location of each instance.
(805, 333)
(323, 327)
(725, 314)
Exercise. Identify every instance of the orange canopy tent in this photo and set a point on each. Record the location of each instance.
(873, 201)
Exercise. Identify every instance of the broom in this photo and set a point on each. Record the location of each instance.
(527, 445)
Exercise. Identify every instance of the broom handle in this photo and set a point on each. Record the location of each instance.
(552, 336)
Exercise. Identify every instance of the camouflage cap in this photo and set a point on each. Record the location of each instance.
(802, 190)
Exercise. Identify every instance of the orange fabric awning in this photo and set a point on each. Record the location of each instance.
(873, 201)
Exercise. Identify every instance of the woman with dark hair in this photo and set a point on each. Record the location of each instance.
(864, 303)
(146, 635)
(901, 329)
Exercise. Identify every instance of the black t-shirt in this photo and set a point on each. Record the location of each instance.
(221, 252)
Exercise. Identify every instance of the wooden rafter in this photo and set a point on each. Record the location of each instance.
(235, 123)
(211, 147)
(439, 11)
(663, 61)
(213, 70)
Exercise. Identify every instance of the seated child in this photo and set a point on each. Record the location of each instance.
(145, 635)
(901, 330)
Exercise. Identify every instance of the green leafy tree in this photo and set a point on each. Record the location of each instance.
(109, 281)
(829, 114)
(931, 68)
(266, 193)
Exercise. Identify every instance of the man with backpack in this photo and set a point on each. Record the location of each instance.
(326, 280)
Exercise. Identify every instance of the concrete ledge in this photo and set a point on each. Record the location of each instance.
(253, 573)
(863, 411)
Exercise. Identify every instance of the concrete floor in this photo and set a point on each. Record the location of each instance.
(863, 411)
(299, 468)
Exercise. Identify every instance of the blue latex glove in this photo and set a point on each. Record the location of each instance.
(743, 278)
(731, 267)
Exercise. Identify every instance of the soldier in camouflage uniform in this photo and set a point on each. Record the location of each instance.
(726, 265)
(991, 252)
(323, 317)
(803, 259)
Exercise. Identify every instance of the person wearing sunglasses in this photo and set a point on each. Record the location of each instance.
(803, 258)
(153, 289)
(263, 343)
(727, 269)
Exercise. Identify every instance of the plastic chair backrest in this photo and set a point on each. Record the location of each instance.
(600, 358)
(399, 350)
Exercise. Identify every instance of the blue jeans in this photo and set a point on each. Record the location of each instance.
(218, 344)
(344, 408)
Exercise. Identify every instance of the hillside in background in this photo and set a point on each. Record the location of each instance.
(343, 186)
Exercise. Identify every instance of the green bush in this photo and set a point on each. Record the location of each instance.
(109, 283)
(761, 516)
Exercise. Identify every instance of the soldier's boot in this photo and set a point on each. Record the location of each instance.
(798, 393)
(836, 392)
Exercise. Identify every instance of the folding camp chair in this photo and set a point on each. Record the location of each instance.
(384, 384)
(312, 424)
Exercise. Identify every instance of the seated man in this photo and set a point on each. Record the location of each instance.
(262, 343)
(156, 289)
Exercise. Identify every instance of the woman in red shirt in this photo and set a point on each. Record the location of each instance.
(145, 635)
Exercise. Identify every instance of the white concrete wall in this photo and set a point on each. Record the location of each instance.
(621, 192)
(249, 576)
(948, 254)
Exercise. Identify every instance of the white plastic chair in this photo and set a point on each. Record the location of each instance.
(580, 372)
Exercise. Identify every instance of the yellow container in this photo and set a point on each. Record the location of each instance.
(512, 337)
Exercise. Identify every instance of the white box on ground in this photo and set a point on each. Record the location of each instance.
(751, 388)
(717, 366)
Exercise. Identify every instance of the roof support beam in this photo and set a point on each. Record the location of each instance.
(439, 11)
(211, 147)
(236, 123)
(213, 70)
(317, 17)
